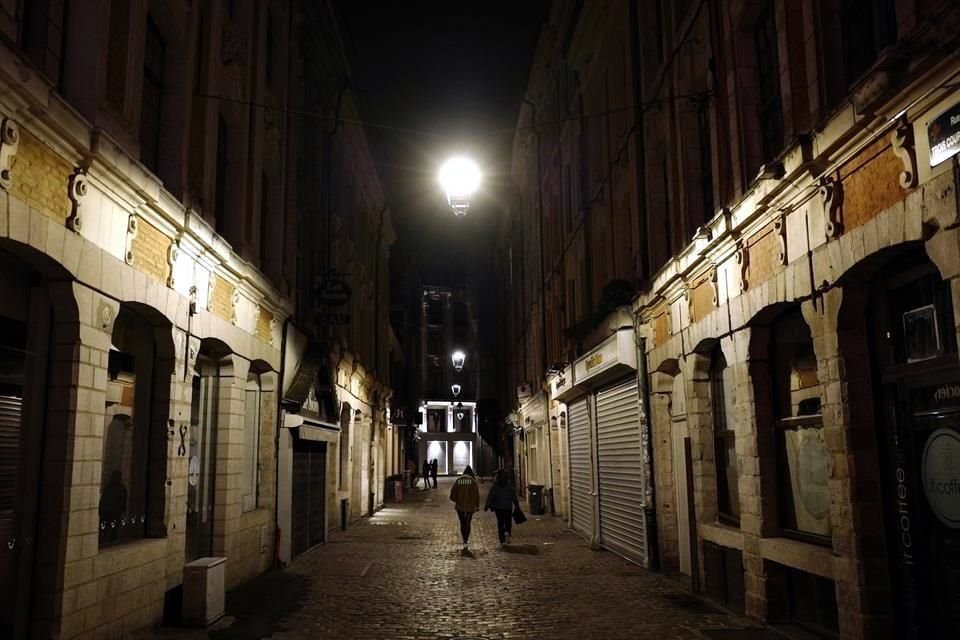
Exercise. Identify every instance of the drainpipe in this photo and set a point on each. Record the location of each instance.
(376, 295)
(543, 301)
(646, 443)
(276, 444)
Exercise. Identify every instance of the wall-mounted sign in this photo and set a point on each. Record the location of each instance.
(943, 132)
(940, 467)
(333, 319)
(613, 358)
(333, 291)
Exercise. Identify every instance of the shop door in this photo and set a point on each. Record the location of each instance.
(309, 495)
(23, 399)
(581, 476)
(679, 435)
(924, 481)
(620, 471)
(201, 467)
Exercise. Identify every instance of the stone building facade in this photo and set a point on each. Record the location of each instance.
(151, 212)
(796, 302)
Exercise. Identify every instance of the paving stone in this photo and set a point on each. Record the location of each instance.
(400, 575)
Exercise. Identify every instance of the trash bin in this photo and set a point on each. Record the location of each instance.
(535, 499)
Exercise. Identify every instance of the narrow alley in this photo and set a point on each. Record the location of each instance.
(400, 575)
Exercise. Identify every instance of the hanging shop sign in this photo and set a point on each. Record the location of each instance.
(943, 133)
(614, 357)
(941, 475)
(562, 388)
(332, 290)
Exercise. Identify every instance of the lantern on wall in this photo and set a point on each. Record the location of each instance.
(455, 389)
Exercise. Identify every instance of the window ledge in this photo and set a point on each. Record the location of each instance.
(812, 558)
(722, 534)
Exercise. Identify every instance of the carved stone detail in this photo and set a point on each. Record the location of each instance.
(743, 262)
(173, 254)
(236, 303)
(780, 229)
(714, 289)
(105, 315)
(211, 284)
(133, 226)
(76, 191)
(831, 191)
(273, 329)
(688, 298)
(904, 147)
(9, 143)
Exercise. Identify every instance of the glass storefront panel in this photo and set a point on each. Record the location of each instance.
(437, 450)
(462, 456)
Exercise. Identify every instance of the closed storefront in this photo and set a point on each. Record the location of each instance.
(606, 429)
(581, 475)
(620, 470)
(308, 496)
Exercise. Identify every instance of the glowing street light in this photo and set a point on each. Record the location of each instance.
(458, 359)
(460, 178)
(455, 388)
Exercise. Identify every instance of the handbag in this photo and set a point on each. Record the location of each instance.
(518, 516)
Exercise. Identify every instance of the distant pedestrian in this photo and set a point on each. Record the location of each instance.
(502, 500)
(412, 469)
(426, 473)
(433, 471)
(466, 498)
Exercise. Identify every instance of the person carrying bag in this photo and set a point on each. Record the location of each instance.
(502, 500)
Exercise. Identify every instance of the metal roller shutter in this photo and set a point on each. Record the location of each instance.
(620, 471)
(581, 483)
(309, 493)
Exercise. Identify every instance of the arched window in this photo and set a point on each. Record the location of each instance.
(724, 440)
(803, 497)
(251, 442)
(126, 436)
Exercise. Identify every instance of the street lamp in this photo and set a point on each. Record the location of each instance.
(458, 358)
(455, 388)
(459, 178)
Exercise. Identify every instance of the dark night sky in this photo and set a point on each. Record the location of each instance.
(453, 69)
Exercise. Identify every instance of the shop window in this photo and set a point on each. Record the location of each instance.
(920, 324)
(251, 442)
(126, 434)
(436, 420)
(803, 497)
(724, 440)
(867, 28)
(768, 83)
(43, 35)
(155, 52)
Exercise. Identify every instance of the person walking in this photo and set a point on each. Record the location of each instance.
(466, 498)
(433, 471)
(502, 500)
(426, 473)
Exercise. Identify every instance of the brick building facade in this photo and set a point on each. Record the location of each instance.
(791, 247)
(152, 211)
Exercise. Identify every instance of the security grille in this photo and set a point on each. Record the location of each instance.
(620, 471)
(581, 483)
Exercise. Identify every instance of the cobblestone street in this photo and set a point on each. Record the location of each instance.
(400, 575)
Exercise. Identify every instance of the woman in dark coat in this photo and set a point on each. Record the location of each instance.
(502, 499)
(433, 471)
(426, 473)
